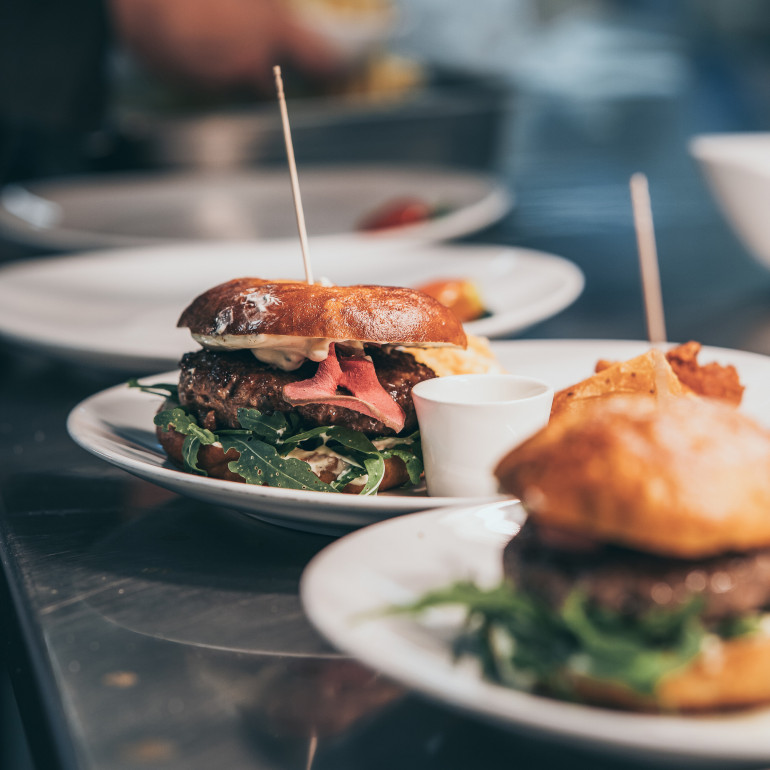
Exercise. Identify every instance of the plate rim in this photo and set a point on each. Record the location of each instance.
(571, 285)
(83, 418)
(593, 726)
(498, 200)
(355, 511)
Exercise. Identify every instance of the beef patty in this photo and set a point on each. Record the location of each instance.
(214, 385)
(631, 582)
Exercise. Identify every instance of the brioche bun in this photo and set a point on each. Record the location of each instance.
(684, 476)
(214, 461)
(730, 674)
(377, 314)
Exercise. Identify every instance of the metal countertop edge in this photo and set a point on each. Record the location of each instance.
(30, 671)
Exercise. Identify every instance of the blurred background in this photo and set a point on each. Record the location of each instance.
(560, 101)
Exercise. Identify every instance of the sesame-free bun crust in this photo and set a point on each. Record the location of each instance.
(729, 675)
(214, 461)
(378, 314)
(683, 476)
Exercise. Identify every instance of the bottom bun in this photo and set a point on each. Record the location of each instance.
(214, 461)
(730, 675)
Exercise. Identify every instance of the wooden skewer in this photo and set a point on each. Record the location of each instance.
(311, 749)
(294, 178)
(648, 259)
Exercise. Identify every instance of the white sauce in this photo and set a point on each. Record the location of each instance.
(322, 459)
(389, 441)
(285, 351)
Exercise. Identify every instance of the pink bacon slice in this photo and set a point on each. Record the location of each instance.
(354, 374)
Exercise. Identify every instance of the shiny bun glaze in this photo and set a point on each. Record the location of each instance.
(378, 314)
(687, 477)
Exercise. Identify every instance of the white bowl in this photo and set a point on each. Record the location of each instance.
(737, 169)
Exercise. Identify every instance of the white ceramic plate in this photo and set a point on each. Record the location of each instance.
(141, 209)
(396, 561)
(116, 425)
(119, 308)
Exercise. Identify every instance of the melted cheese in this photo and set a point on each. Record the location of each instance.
(284, 351)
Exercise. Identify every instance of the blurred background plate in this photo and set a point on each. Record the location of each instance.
(139, 209)
(118, 309)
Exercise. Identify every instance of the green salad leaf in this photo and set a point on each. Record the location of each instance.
(260, 463)
(411, 457)
(345, 478)
(195, 436)
(264, 443)
(183, 422)
(637, 652)
(168, 390)
(271, 427)
(522, 642)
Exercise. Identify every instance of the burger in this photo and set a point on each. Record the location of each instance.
(644, 564)
(640, 578)
(304, 386)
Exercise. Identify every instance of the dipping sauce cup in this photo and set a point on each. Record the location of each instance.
(468, 422)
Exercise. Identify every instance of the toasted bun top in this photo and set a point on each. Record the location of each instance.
(685, 477)
(380, 314)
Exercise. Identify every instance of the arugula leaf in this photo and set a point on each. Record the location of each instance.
(184, 423)
(195, 436)
(260, 463)
(375, 472)
(344, 441)
(637, 652)
(169, 390)
(345, 478)
(269, 426)
(299, 438)
(498, 600)
(519, 639)
(413, 462)
(352, 439)
(267, 439)
(190, 447)
(347, 437)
